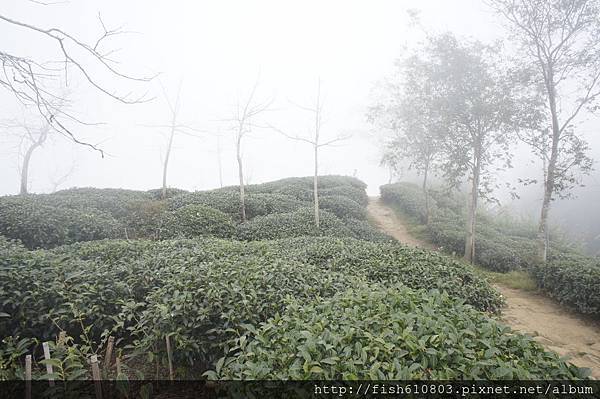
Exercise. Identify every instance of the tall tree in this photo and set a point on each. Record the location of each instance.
(561, 40)
(407, 110)
(316, 142)
(474, 115)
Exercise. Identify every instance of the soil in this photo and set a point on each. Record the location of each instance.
(566, 333)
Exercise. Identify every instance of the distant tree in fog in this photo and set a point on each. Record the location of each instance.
(243, 121)
(174, 126)
(407, 111)
(33, 81)
(463, 109)
(560, 40)
(316, 141)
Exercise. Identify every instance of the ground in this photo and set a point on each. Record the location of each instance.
(555, 327)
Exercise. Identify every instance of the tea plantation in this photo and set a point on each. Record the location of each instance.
(274, 297)
(504, 244)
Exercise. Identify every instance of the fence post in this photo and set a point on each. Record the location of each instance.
(28, 377)
(170, 357)
(48, 365)
(109, 351)
(96, 376)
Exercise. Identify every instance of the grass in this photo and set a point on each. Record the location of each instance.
(517, 279)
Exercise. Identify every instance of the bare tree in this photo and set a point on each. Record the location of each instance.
(37, 137)
(59, 179)
(244, 121)
(560, 39)
(31, 80)
(174, 127)
(315, 142)
(31, 137)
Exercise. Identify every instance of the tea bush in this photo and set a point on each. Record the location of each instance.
(293, 224)
(571, 279)
(257, 204)
(390, 263)
(343, 207)
(504, 243)
(196, 221)
(43, 226)
(391, 333)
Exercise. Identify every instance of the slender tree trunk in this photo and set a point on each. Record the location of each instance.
(27, 159)
(219, 161)
(316, 186)
(166, 163)
(542, 236)
(425, 175)
(241, 177)
(25, 168)
(472, 208)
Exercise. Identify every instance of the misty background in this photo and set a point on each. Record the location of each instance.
(218, 49)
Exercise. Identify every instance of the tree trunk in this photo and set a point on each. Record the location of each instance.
(472, 208)
(316, 187)
(425, 175)
(241, 176)
(27, 159)
(219, 162)
(166, 163)
(542, 236)
(25, 168)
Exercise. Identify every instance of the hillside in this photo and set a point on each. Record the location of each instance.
(274, 297)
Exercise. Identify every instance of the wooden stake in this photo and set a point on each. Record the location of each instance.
(96, 376)
(48, 366)
(170, 357)
(62, 338)
(28, 377)
(109, 351)
(118, 362)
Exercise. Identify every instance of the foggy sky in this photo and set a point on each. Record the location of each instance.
(218, 48)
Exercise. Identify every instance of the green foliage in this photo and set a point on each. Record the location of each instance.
(389, 263)
(293, 224)
(12, 352)
(257, 204)
(406, 196)
(197, 221)
(507, 244)
(390, 333)
(38, 225)
(343, 207)
(156, 194)
(572, 279)
(114, 201)
(497, 248)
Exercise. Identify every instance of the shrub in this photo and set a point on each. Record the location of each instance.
(257, 204)
(196, 221)
(113, 201)
(343, 207)
(390, 333)
(407, 197)
(571, 279)
(145, 219)
(355, 194)
(42, 226)
(292, 224)
(156, 194)
(389, 263)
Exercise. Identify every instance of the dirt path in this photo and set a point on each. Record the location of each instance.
(388, 222)
(554, 327)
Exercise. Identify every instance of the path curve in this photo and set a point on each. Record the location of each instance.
(567, 334)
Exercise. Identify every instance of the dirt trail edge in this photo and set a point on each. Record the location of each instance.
(567, 334)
